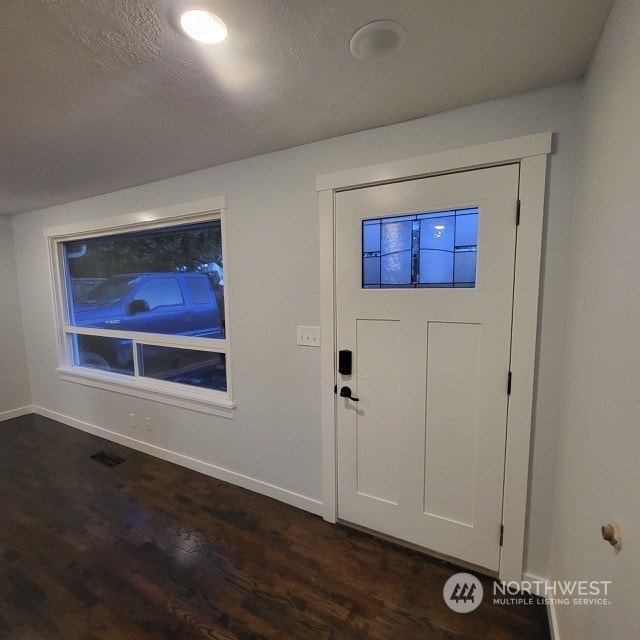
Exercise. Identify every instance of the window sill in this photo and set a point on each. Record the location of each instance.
(210, 402)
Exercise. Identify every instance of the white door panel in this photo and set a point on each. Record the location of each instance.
(378, 438)
(421, 453)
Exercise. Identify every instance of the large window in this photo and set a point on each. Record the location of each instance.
(142, 305)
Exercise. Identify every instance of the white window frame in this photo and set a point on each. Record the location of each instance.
(195, 398)
(531, 153)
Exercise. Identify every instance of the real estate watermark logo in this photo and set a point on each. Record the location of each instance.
(463, 593)
(555, 592)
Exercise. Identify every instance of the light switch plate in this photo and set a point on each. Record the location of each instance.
(308, 336)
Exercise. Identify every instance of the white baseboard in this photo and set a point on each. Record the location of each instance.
(551, 608)
(253, 484)
(553, 621)
(16, 413)
(534, 579)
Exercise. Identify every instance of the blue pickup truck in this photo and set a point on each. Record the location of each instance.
(187, 304)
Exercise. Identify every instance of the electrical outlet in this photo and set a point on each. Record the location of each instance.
(147, 423)
(132, 420)
(308, 336)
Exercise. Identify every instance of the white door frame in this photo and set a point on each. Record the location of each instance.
(531, 152)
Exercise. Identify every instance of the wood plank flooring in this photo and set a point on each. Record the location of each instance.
(149, 550)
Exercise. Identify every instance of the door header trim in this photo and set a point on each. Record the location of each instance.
(481, 155)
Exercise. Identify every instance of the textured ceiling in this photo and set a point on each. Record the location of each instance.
(100, 95)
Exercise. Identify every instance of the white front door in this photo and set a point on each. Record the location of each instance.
(424, 293)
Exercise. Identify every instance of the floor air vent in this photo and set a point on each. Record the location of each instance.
(107, 459)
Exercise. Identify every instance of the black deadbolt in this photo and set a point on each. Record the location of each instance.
(344, 362)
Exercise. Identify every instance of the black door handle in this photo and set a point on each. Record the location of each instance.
(345, 392)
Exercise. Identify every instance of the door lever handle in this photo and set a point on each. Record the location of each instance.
(345, 392)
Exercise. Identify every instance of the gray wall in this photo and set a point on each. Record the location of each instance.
(14, 381)
(598, 478)
(273, 268)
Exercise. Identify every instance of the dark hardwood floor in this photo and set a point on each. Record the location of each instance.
(150, 550)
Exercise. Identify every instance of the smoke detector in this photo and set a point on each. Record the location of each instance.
(377, 40)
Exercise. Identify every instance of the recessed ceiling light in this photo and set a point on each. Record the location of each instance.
(377, 40)
(203, 26)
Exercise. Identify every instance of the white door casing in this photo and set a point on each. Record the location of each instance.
(530, 154)
(421, 454)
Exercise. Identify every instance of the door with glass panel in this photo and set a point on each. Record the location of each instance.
(424, 291)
